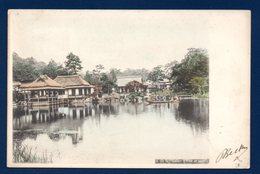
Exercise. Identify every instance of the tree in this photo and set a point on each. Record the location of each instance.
(97, 72)
(73, 64)
(97, 75)
(53, 69)
(116, 71)
(112, 75)
(190, 76)
(199, 85)
(103, 81)
(61, 71)
(111, 81)
(108, 82)
(156, 74)
(168, 68)
(26, 70)
(89, 78)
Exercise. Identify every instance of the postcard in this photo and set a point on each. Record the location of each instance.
(129, 88)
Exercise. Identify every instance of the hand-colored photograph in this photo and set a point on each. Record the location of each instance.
(110, 89)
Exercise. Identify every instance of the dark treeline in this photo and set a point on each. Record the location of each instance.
(190, 76)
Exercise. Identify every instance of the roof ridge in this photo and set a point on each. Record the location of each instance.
(48, 80)
(35, 81)
(71, 80)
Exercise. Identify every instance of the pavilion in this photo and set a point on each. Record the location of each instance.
(75, 87)
(42, 91)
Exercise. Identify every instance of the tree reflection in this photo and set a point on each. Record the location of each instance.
(193, 112)
(61, 122)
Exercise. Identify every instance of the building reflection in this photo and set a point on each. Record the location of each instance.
(58, 122)
(133, 108)
(61, 122)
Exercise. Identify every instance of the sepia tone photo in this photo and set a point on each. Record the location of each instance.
(131, 89)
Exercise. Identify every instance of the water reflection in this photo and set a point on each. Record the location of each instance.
(194, 112)
(58, 122)
(97, 125)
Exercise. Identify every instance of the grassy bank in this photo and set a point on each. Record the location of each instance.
(26, 154)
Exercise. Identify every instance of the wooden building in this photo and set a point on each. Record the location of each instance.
(75, 87)
(127, 84)
(42, 91)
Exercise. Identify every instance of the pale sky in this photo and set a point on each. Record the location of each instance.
(120, 39)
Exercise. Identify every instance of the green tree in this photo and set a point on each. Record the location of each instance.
(156, 74)
(112, 75)
(26, 70)
(97, 75)
(108, 82)
(189, 74)
(168, 68)
(199, 85)
(89, 77)
(53, 69)
(61, 70)
(73, 64)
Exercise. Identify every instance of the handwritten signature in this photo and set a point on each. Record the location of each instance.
(228, 152)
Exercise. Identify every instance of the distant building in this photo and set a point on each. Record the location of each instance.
(74, 86)
(154, 86)
(164, 84)
(126, 84)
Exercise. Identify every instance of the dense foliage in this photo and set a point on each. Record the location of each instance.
(104, 81)
(73, 64)
(89, 78)
(107, 83)
(53, 69)
(26, 70)
(156, 74)
(191, 75)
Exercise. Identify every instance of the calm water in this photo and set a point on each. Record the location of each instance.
(116, 133)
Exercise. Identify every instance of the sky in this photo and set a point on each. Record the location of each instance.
(115, 39)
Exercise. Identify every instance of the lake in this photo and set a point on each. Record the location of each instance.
(115, 133)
